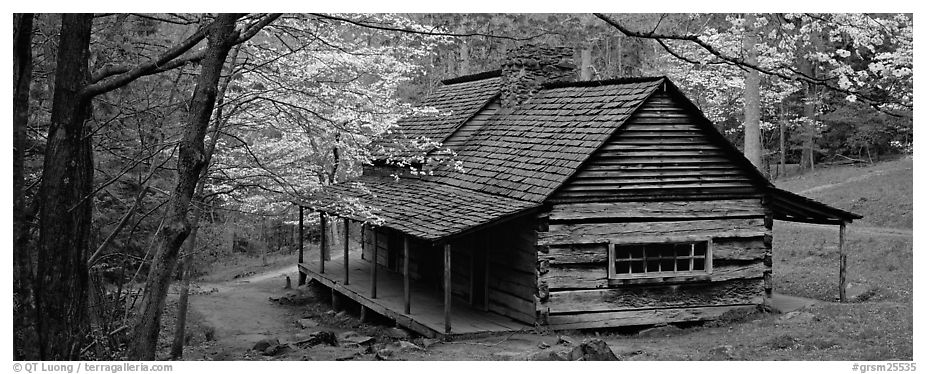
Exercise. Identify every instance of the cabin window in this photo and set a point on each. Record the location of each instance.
(659, 260)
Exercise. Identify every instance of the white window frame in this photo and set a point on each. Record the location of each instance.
(661, 275)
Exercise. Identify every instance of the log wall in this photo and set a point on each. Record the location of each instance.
(572, 261)
(661, 152)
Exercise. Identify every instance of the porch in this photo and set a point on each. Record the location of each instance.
(384, 292)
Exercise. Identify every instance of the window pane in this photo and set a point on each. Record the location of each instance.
(698, 264)
(636, 251)
(668, 265)
(652, 266)
(622, 267)
(667, 251)
(651, 251)
(683, 265)
(682, 250)
(636, 267)
(700, 248)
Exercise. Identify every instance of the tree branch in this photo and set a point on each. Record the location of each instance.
(419, 32)
(118, 77)
(693, 38)
(111, 78)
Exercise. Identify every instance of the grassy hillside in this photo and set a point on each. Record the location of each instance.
(806, 259)
(883, 192)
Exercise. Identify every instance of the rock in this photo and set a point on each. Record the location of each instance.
(318, 337)
(797, 316)
(351, 337)
(506, 356)
(330, 313)
(565, 340)
(397, 333)
(275, 350)
(589, 350)
(385, 354)
(307, 323)
(263, 344)
(342, 315)
(722, 351)
(593, 350)
(549, 355)
(658, 331)
(428, 342)
(543, 345)
(347, 356)
(402, 346)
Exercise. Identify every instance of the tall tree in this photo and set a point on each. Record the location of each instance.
(22, 272)
(221, 36)
(189, 245)
(64, 214)
(65, 194)
(752, 147)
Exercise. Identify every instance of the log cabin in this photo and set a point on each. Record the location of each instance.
(556, 203)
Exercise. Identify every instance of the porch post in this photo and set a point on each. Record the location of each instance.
(447, 285)
(408, 291)
(842, 261)
(302, 275)
(323, 242)
(346, 252)
(375, 263)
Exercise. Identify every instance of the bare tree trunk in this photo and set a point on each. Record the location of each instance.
(807, 145)
(782, 127)
(620, 56)
(189, 250)
(809, 115)
(751, 111)
(220, 38)
(65, 214)
(23, 317)
(586, 61)
(464, 58)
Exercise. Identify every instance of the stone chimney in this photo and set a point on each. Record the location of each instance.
(528, 67)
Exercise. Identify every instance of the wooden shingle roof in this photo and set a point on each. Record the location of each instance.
(422, 208)
(454, 103)
(511, 164)
(530, 151)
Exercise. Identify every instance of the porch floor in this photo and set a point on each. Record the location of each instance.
(427, 304)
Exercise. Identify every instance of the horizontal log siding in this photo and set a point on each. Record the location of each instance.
(661, 151)
(636, 317)
(573, 261)
(647, 232)
(733, 292)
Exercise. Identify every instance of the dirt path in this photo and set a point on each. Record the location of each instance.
(240, 313)
(854, 179)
